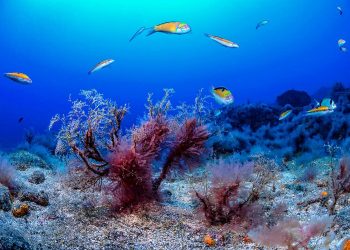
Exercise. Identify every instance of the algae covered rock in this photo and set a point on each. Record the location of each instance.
(296, 98)
(12, 239)
(21, 210)
(5, 199)
(38, 197)
(37, 177)
(251, 115)
(23, 160)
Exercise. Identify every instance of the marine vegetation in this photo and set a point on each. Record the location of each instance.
(291, 233)
(235, 189)
(338, 183)
(92, 131)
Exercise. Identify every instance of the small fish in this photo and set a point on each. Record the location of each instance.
(217, 112)
(285, 114)
(262, 23)
(222, 41)
(20, 120)
(101, 65)
(328, 102)
(222, 95)
(319, 111)
(341, 44)
(340, 10)
(168, 27)
(18, 77)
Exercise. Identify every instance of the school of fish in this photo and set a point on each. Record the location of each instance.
(222, 95)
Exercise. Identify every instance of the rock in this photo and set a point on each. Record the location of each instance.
(23, 160)
(5, 199)
(295, 98)
(37, 177)
(296, 187)
(252, 115)
(12, 239)
(40, 198)
(21, 210)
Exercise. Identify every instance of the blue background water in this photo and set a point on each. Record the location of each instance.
(57, 42)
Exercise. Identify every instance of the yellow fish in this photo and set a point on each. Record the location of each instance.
(223, 41)
(222, 95)
(285, 114)
(321, 110)
(19, 77)
(168, 27)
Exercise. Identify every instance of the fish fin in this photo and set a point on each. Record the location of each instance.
(138, 32)
(206, 34)
(152, 31)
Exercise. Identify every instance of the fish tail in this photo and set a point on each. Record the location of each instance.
(138, 32)
(152, 31)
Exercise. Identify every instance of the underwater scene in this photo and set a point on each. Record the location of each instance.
(133, 124)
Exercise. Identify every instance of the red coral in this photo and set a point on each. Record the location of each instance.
(130, 167)
(187, 147)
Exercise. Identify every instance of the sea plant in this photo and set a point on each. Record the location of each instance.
(234, 192)
(290, 233)
(92, 131)
(338, 181)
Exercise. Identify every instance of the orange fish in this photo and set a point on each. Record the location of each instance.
(321, 110)
(168, 27)
(19, 77)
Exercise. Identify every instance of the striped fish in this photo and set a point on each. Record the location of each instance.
(223, 41)
(101, 65)
(285, 114)
(319, 111)
(19, 77)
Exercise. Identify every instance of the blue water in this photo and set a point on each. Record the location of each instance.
(57, 42)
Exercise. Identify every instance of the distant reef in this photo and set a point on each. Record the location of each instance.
(255, 127)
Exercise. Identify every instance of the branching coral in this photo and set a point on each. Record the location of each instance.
(187, 147)
(290, 233)
(200, 110)
(90, 128)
